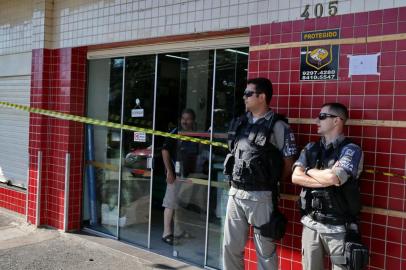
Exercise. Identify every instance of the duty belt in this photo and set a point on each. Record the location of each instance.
(327, 219)
(250, 187)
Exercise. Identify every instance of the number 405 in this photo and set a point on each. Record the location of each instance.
(319, 10)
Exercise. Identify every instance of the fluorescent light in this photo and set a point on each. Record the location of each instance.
(236, 51)
(178, 57)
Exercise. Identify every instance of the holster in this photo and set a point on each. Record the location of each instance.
(356, 253)
(228, 166)
(276, 226)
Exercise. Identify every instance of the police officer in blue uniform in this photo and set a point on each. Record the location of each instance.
(262, 149)
(328, 171)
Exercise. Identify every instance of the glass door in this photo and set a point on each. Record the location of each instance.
(137, 149)
(184, 94)
(230, 82)
(165, 194)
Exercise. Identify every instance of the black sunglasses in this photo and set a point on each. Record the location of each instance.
(323, 116)
(248, 93)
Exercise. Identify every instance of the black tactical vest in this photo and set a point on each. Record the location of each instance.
(258, 163)
(335, 204)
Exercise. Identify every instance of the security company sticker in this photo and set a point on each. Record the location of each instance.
(319, 62)
(137, 113)
(140, 137)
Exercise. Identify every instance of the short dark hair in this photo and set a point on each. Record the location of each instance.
(189, 111)
(263, 85)
(338, 109)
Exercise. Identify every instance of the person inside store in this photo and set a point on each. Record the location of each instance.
(328, 171)
(262, 151)
(179, 159)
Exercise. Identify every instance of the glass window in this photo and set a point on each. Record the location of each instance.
(100, 207)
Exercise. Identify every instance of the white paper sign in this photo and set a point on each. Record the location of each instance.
(177, 167)
(137, 113)
(363, 64)
(149, 163)
(140, 137)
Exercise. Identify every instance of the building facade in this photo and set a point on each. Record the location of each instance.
(140, 63)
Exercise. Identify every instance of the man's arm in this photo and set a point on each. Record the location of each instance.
(315, 178)
(170, 176)
(287, 168)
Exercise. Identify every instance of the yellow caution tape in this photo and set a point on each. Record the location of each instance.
(97, 122)
(385, 173)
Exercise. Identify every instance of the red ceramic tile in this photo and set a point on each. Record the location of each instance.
(334, 21)
(347, 32)
(275, 39)
(398, 73)
(265, 30)
(375, 17)
(264, 55)
(391, 45)
(387, 73)
(389, 28)
(396, 263)
(360, 31)
(254, 41)
(390, 15)
(401, 27)
(400, 102)
(347, 20)
(309, 25)
(386, 87)
(398, 161)
(276, 28)
(361, 19)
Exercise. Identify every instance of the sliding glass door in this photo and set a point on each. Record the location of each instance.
(126, 194)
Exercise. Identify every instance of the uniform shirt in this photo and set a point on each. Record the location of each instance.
(283, 139)
(182, 151)
(349, 164)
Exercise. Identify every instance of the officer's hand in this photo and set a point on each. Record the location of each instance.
(170, 177)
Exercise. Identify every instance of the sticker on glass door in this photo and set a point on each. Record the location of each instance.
(140, 137)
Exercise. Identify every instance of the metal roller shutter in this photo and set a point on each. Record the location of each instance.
(14, 130)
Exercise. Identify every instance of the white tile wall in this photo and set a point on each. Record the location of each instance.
(29, 24)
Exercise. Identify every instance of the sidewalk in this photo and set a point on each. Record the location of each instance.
(24, 246)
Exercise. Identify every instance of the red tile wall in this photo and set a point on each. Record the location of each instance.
(13, 200)
(367, 97)
(58, 83)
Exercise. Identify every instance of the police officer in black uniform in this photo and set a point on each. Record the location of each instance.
(262, 149)
(328, 171)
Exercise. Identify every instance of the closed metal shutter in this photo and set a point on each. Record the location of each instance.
(14, 130)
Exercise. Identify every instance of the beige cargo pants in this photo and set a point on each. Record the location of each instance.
(315, 245)
(245, 208)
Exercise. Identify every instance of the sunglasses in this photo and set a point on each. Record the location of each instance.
(248, 93)
(323, 116)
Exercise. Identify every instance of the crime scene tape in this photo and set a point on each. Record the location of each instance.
(370, 171)
(96, 122)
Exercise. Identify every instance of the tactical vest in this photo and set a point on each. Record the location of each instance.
(258, 163)
(335, 205)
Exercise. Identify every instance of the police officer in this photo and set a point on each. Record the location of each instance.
(328, 171)
(262, 149)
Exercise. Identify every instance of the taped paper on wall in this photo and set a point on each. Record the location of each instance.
(363, 64)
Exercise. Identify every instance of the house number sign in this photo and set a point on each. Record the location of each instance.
(318, 10)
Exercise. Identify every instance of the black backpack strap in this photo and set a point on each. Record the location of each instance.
(235, 124)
